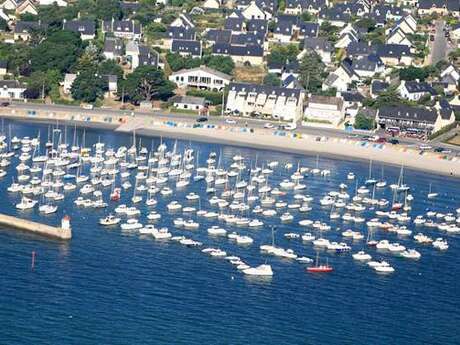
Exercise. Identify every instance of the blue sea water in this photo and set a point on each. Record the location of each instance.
(106, 286)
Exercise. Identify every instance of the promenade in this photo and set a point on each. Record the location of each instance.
(250, 135)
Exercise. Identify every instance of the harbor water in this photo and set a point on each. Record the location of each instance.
(108, 286)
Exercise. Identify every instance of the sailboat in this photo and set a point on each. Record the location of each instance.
(115, 193)
(320, 268)
(381, 183)
(431, 195)
(370, 180)
(136, 198)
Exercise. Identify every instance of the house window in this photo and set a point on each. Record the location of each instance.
(185, 106)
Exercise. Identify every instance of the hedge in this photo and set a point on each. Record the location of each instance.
(215, 98)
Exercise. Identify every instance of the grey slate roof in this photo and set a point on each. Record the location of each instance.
(352, 97)
(367, 63)
(247, 39)
(26, 26)
(408, 113)
(147, 56)
(333, 14)
(185, 46)
(356, 48)
(85, 27)
(451, 5)
(126, 26)
(113, 45)
(266, 89)
(318, 43)
(188, 100)
(258, 25)
(181, 33)
(378, 86)
(218, 36)
(417, 87)
(228, 49)
(309, 29)
(10, 84)
(393, 50)
(234, 24)
(306, 4)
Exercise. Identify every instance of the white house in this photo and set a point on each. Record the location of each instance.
(451, 78)
(9, 5)
(408, 24)
(3, 67)
(253, 11)
(60, 3)
(397, 36)
(269, 101)
(197, 104)
(211, 4)
(341, 78)
(69, 78)
(455, 32)
(201, 77)
(11, 89)
(325, 109)
(414, 90)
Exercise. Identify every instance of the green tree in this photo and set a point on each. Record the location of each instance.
(147, 83)
(282, 53)
(40, 83)
(454, 55)
(3, 25)
(364, 122)
(388, 97)
(177, 62)
(329, 31)
(54, 15)
(272, 79)
(88, 86)
(110, 67)
(413, 73)
(366, 23)
(307, 17)
(18, 56)
(59, 51)
(223, 64)
(154, 30)
(107, 9)
(310, 72)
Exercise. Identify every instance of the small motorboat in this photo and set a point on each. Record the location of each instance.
(109, 220)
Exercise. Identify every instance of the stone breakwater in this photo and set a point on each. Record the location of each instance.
(62, 233)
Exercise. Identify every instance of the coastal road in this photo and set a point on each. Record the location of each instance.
(439, 45)
(216, 120)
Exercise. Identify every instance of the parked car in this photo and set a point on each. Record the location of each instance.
(5, 104)
(290, 127)
(230, 121)
(202, 119)
(268, 125)
(425, 147)
(394, 141)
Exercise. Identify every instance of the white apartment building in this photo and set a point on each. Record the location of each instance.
(325, 109)
(201, 77)
(275, 102)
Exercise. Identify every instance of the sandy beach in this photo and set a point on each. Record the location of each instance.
(266, 139)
